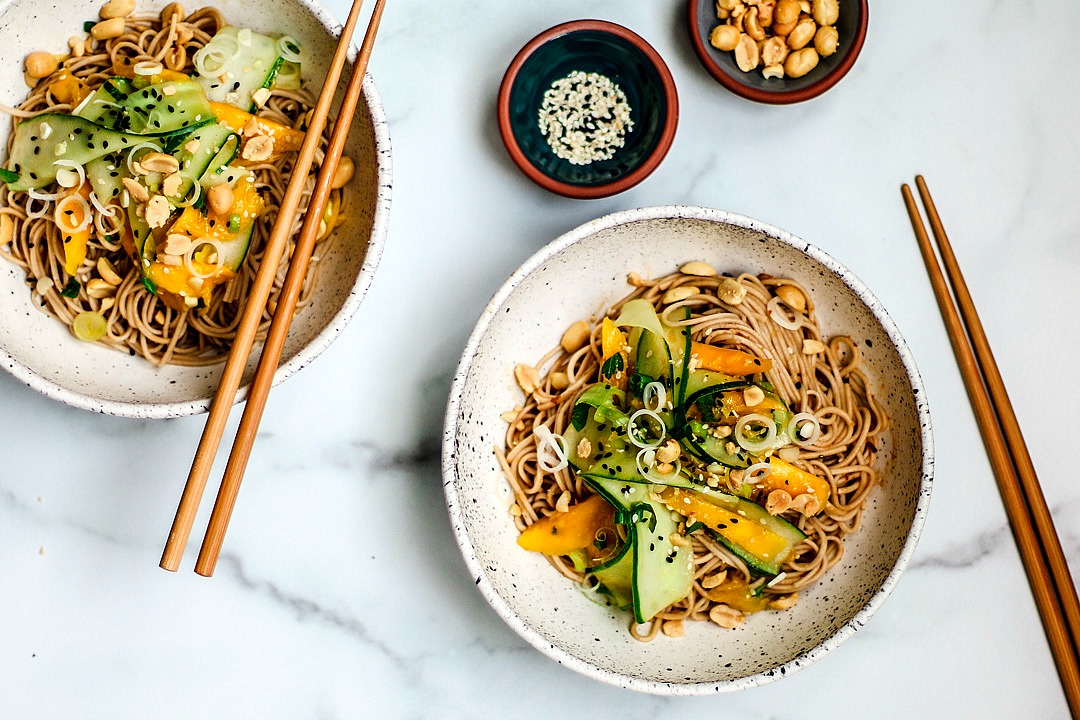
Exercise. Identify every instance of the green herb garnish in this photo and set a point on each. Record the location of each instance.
(234, 223)
(8, 176)
(638, 383)
(150, 286)
(612, 365)
(580, 416)
(71, 290)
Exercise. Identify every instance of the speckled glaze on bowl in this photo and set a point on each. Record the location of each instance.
(851, 26)
(593, 46)
(572, 278)
(42, 352)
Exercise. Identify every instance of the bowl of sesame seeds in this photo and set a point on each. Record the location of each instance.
(587, 109)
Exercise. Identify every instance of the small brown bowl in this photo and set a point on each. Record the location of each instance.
(752, 85)
(591, 46)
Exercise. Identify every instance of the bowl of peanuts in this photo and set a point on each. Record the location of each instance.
(94, 365)
(777, 51)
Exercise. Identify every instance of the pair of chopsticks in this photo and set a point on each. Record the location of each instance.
(256, 301)
(1029, 516)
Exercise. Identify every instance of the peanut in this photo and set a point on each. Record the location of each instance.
(774, 52)
(826, 40)
(787, 12)
(108, 29)
(724, 37)
(98, 289)
(41, 64)
(108, 272)
(117, 9)
(784, 602)
(792, 297)
(258, 148)
(680, 293)
(753, 26)
(159, 163)
(7, 229)
(726, 617)
(766, 11)
(698, 268)
(747, 56)
(779, 501)
(220, 198)
(137, 192)
(801, 62)
(731, 291)
(77, 46)
(826, 12)
(528, 378)
(344, 173)
(801, 36)
(575, 337)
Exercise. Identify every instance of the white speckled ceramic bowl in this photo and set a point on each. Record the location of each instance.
(572, 278)
(42, 352)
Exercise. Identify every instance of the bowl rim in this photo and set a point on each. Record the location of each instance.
(449, 455)
(777, 97)
(319, 343)
(656, 155)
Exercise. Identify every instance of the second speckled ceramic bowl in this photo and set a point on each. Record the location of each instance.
(41, 351)
(569, 280)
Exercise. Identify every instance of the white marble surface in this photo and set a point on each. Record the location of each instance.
(341, 593)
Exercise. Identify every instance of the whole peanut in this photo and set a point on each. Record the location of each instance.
(41, 64)
(724, 37)
(826, 12)
(800, 62)
(826, 40)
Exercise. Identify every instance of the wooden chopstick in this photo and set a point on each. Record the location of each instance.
(279, 327)
(1040, 512)
(249, 322)
(1036, 539)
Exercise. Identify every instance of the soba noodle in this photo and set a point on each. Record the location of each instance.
(828, 384)
(139, 322)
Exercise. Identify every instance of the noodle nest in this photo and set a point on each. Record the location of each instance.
(828, 384)
(137, 321)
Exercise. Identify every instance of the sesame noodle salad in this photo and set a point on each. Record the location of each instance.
(700, 453)
(143, 174)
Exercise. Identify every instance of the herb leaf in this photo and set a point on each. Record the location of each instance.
(71, 290)
(580, 416)
(8, 176)
(612, 365)
(150, 286)
(638, 383)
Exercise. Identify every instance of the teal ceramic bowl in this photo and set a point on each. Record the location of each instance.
(610, 50)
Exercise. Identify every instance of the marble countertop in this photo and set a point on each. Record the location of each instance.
(341, 593)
